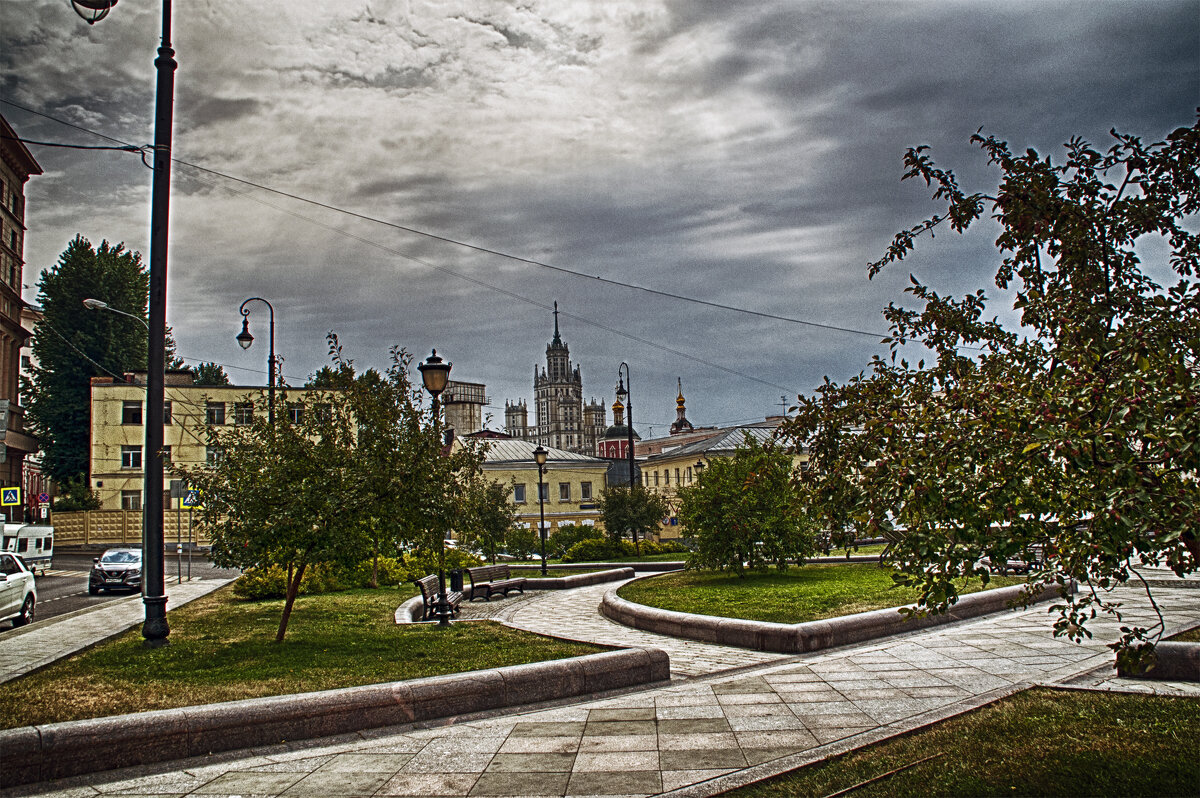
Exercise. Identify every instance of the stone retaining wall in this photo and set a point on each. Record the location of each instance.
(57, 750)
(810, 636)
(1176, 662)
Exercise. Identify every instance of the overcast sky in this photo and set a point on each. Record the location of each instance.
(740, 153)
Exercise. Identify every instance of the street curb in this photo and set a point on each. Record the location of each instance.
(58, 750)
(1175, 662)
(812, 635)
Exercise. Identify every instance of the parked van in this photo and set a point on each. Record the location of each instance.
(33, 544)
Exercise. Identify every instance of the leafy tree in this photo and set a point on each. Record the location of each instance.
(1071, 440)
(566, 536)
(210, 374)
(522, 542)
(742, 512)
(72, 344)
(361, 478)
(487, 517)
(634, 512)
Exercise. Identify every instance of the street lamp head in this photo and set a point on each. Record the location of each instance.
(435, 374)
(92, 11)
(540, 455)
(244, 338)
(621, 392)
(95, 304)
(700, 464)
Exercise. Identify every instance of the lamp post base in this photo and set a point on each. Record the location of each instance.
(155, 628)
(441, 608)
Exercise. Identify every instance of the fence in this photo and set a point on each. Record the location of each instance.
(116, 527)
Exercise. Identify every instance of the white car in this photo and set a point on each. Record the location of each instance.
(18, 595)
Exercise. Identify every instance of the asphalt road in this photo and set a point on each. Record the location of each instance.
(64, 587)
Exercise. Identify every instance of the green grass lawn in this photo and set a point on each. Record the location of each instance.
(222, 649)
(807, 593)
(1039, 742)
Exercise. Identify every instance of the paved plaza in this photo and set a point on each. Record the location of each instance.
(730, 717)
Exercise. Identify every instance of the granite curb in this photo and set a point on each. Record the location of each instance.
(1174, 662)
(57, 750)
(812, 635)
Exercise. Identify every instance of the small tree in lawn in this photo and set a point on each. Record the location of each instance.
(1071, 439)
(285, 497)
(633, 513)
(487, 517)
(743, 513)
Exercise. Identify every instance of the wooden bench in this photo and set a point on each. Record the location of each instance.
(488, 580)
(429, 592)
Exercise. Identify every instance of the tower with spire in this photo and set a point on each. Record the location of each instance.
(681, 424)
(561, 417)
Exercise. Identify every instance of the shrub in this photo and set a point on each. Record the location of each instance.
(595, 549)
(271, 582)
(563, 538)
(521, 542)
(391, 572)
(423, 563)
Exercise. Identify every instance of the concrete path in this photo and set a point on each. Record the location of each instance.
(42, 642)
(698, 737)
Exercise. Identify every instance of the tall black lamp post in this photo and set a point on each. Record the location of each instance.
(539, 457)
(435, 375)
(155, 629)
(244, 339)
(623, 394)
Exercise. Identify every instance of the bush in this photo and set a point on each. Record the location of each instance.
(423, 563)
(595, 549)
(563, 538)
(521, 542)
(391, 572)
(271, 582)
(651, 547)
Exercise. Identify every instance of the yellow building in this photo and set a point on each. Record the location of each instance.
(118, 433)
(571, 486)
(665, 473)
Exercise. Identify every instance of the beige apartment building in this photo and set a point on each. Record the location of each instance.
(118, 433)
(571, 486)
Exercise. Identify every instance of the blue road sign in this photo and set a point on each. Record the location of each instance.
(10, 497)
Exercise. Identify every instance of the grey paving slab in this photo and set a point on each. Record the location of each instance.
(694, 737)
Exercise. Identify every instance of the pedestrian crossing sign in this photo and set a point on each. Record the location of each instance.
(190, 499)
(10, 497)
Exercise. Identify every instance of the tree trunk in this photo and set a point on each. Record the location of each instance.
(293, 589)
(375, 566)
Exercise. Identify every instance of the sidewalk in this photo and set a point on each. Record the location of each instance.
(698, 737)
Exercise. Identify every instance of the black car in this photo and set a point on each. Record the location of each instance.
(116, 569)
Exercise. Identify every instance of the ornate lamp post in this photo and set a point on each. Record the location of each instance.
(155, 629)
(623, 394)
(539, 457)
(244, 339)
(435, 375)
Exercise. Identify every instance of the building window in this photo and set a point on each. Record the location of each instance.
(167, 409)
(656, 479)
(214, 414)
(131, 412)
(131, 457)
(585, 491)
(213, 455)
(689, 475)
(543, 492)
(324, 413)
(676, 476)
(243, 414)
(295, 413)
(518, 494)
(166, 454)
(131, 500)
(564, 491)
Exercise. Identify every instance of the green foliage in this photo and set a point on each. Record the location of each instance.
(564, 537)
(486, 518)
(76, 495)
(362, 473)
(522, 543)
(742, 512)
(210, 374)
(651, 547)
(632, 512)
(72, 344)
(598, 550)
(423, 563)
(1074, 436)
